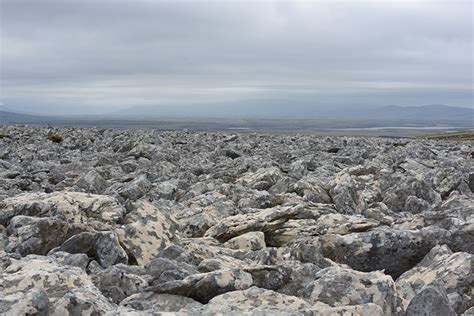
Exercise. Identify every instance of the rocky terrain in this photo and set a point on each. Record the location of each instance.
(142, 222)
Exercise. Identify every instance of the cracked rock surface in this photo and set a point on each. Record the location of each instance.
(143, 222)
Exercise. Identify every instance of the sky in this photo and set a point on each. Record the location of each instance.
(100, 56)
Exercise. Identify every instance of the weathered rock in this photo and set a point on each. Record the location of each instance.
(164, 270)
(117, 284)
(345, 195)
(371, 309)
(96, 211)
(453, 271)
(103, 246)
(80, 260)
(255, 300)
(300, 275)
(41, 283)
(264, 220)
(412, 195)
(158, 303)
(262, 179)
(328, 223)
(34, 235)
(146, 231)
(269, 277)
(204, 286)
(368, 251)
(339, 287)
(34, 301)
(247, 242)
(92, 182)
(430, 300)
(132, 190)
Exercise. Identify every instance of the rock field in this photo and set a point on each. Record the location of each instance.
(142, 222)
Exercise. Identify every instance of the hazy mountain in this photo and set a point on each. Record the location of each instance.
(7, 117)
(258, 114)
(302, 110)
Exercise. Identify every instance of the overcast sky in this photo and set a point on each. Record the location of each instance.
(104, 55)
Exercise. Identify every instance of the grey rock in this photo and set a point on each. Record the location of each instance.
(431, 300)
(92, 182)
(204, 286)
(255, 301)
(406, 248)
(151, 302)
(117, 284)
(103, 246)
(337, 286)
(248, 242)
(33, 235)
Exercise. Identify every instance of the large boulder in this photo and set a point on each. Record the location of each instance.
(117, 284)
(98, 212)
(413, 195)
(102, 246)
(264, 220)
(131, 190)
(37, 235)
(204, 286)
(92, 182)
(146, 231)
(33, 301)
(337, 286)
(345, 195)
(247, 242)
(452, 271)
(394, 251)
(150, 302)
(254, 300)
(262, 179)
(333, 223)
(431, 300)
(40, 284)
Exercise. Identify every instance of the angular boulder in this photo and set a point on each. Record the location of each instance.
(146, 231)
(337, 286)
(204, 286)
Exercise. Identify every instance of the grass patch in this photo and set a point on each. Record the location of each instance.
(457, 136)
(55, 138)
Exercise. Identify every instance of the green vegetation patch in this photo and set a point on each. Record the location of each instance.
(457, 136)
(55, 138)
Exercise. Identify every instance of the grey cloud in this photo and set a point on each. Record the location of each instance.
(124, 53)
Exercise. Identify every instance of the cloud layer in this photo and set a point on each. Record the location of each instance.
(113, 54)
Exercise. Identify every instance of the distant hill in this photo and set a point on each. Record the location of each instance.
(7, 117)
(281, 109)
(261, 114)
(426, 112)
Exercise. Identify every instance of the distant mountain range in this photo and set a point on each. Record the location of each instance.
(8, 117)
(339, 116)
(282, 110)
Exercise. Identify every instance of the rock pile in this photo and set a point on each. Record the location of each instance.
(123, 222)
